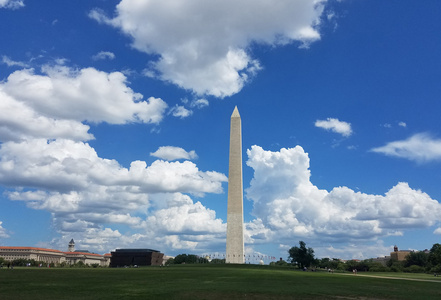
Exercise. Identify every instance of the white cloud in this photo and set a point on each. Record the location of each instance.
(103, 55)
(437, 231)
(183, 216)
(199, 103)
(19, 121)
(64, 166)
(420, 147)
(180, 111)
(173, 153)
(335, 125)
(94, 200)
(289, 205)
(3, 233)
(202, 46)
(85, 193)
(12, 4)
(64, 93)
(402, 124)
(354, 251)
(11, 63)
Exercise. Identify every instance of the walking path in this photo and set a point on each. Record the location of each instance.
(397, 278)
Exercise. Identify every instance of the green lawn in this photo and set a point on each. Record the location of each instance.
(207, 282)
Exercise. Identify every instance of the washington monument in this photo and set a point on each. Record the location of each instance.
(235, 247)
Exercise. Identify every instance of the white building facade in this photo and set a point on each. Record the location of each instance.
(51, 256)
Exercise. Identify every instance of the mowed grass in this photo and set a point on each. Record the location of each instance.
(206, 282)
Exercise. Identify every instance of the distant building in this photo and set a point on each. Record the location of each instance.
(138, 257)
(49, 256)
(382, 260)
(87, 258)
(38, 254)
(399, 255)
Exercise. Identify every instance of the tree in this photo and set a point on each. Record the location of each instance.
(435, 258)
(217, 261)
(301, 256)
(189, 259)
(181, 258)
(328, 263)
(170, 261)
(435, 255)
(279, 263)
(416, 258)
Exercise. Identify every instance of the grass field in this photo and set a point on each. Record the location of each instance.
(208, 282)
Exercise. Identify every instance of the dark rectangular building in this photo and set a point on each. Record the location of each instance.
(138, 257)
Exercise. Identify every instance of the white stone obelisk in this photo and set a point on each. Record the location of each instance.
(235, 246)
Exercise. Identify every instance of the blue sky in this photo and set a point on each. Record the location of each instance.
(114, 124)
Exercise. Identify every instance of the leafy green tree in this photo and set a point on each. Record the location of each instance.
(414, 269)
(189, 259)
(378, 267)
(180, 258)
(435, 255)
(301, 256)
(281, 263)
(352, 264)
(21, 262)
(416, 258)
(328, 263)
(217, 261)
(395, 265)
(192, 259)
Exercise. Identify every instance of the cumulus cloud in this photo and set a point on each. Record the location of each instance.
(103, 55)
(335, 125)
(287, 204)
(402, 124)
(202, 46)
(3, 233)
(65, 166)
(85, 193)
(46, 163)
(55, 103)
(420, 147)
(183, 216)
(12, 4)
(180, 111)
(19, 121)
(65, 93)
(174, 221)
(173, 153)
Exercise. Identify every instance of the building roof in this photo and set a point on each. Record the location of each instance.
(136, 250)
(49, 250)
(29, 248)
(82, 253)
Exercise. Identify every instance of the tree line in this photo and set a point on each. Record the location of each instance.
(22, 262)
(192, 259)
(415, 262)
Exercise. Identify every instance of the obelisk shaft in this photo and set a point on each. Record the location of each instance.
(235, 246)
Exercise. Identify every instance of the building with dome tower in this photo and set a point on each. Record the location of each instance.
(52, 256)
